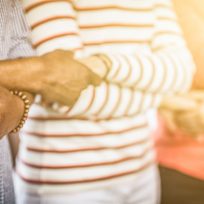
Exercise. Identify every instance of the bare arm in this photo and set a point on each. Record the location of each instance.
(11, 112)
(56, 76)
(19, 73)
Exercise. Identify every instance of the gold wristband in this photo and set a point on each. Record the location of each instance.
(26, 102)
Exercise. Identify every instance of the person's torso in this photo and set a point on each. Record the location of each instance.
(60, 153)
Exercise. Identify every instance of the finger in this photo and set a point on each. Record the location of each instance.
(59, 53)
(61, 94)
(45, 102)
(54, 106)
(69, 94)
(67, 52)
(51, 95)
(95, 79)
(50, 98)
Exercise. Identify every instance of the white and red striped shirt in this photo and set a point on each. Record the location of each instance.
(104, 137)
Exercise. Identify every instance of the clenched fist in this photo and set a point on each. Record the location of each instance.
(63, 78)
(57, 76)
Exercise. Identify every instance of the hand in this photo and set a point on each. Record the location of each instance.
(96, 65)
(62, 78)
(56, 76)
(184, 114)
(11, 111)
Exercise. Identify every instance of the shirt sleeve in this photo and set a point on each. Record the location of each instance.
(21, 45)
(53, 25)
(110, 101)
(168, 68)
(135, 82)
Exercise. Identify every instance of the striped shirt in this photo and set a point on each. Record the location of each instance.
(105, 136)
(13, 44)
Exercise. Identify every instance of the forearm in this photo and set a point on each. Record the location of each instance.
(12, 110)
(162, 72)
(20, 73)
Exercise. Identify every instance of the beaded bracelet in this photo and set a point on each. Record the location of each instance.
(26, 101)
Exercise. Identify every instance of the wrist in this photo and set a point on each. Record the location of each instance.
(25, 101)
(11, 111)
(19, 106)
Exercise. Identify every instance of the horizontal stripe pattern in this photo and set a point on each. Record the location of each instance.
(98, 179)
(60, 191)
(93, 148)
(105, 102)
(85, 175)
(105, 135)
(77, 160)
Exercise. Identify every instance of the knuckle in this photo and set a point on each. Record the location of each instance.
(74, 97)
(83, 85)
(85, 72)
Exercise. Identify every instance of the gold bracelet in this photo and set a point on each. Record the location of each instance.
(26, 102)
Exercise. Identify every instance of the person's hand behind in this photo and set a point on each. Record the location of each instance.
(63, 78)
(184, 113)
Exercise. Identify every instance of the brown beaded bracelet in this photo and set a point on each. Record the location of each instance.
(26, 101)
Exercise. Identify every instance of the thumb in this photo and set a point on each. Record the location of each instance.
(95, 79)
